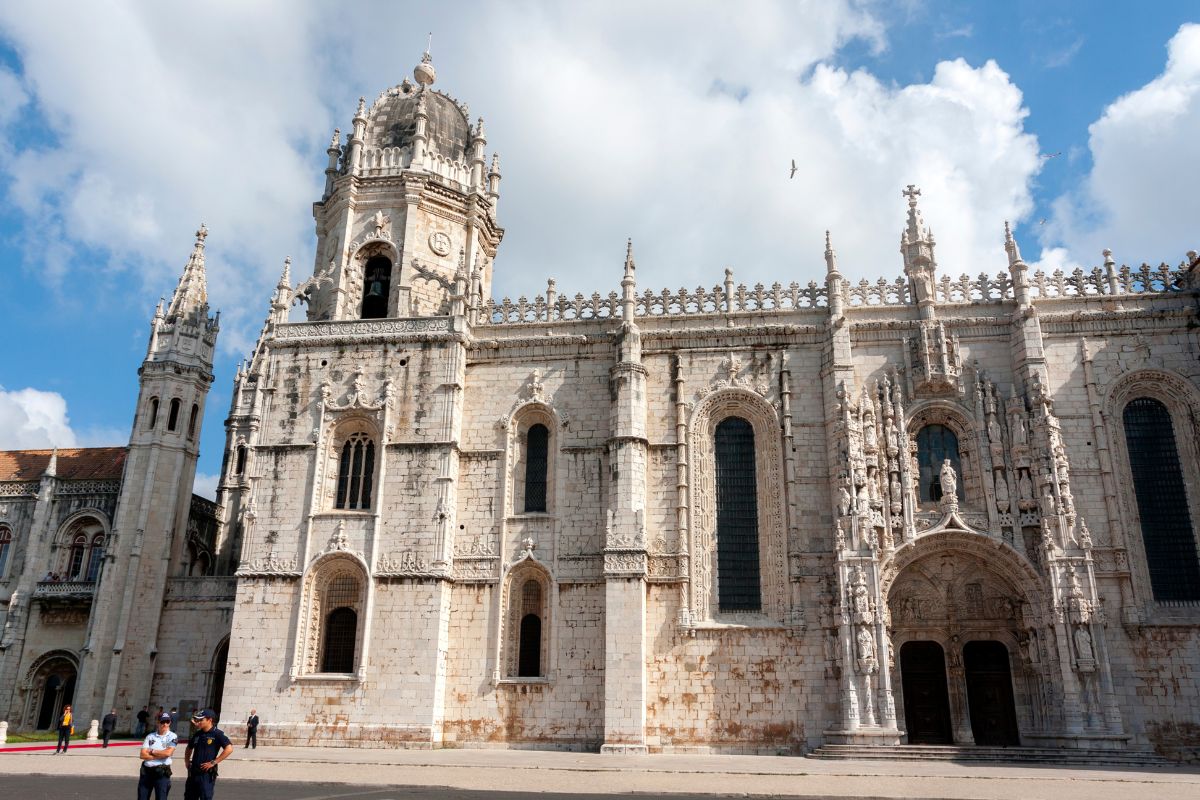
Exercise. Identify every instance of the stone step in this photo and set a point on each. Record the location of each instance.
(1037, 755)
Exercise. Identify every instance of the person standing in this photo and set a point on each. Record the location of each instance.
(108, 725)
(66, 726)
(252, 730)
(207, 747)
(143, 717)
(175, 719)
(156, 761)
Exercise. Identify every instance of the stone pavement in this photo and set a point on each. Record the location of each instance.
(533, 771)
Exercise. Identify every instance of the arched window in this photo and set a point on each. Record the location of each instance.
(75, 561)
(192, 421)
(95, 557)
(529, 657)
(935, 444)
(340, 635)
(152, 417)
(239, 467)
(537, 442)
(1158, 484)
(356, 469)
(173, 417)
(5, 546)
(738, 583)
(377, 282)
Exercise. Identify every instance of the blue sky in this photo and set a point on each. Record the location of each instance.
(122, 127)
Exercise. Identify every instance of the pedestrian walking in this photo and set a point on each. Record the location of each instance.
(252, 730)
(108, 725)
(207, 747)
(66, 726)
(156, 761)
(143, 717)
(175, 719)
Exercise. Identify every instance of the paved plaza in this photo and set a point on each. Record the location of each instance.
(328, 773)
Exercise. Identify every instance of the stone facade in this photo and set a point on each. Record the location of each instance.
(740, 519)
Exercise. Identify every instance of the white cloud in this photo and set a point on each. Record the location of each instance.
(605, 116)
(1137, 199)
(31, 419)
(205, 485)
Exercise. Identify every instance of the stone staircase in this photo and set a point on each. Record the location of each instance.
(995, 755)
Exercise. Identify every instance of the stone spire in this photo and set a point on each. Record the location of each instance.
(283, 293)
(1010, 246)
(192, 292)
(916, 245)
(1016, 268)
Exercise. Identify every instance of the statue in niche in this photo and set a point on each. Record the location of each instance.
(869, 434)
(889, 434)
(1047, 502)
(1083, 644)
(948, 480)
(1026, 486)
(1020, 434)
(897, 498)
(1003, 502)
(993, 429)
(843, 501)
(865, 645)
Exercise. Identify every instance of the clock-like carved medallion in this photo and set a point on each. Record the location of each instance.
(439, 243)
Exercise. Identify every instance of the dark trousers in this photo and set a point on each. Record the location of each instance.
(252, 737)
(199, 785)
(106, 735)
(140, 731)
(149, 781)
(64, 738)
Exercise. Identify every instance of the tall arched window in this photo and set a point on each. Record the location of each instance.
(529, 660)
(1158, 484)
(5, 547)
(173, 417)
(75, 560)
(192, 421)
(738, 583)
(935, 444)
(340, 635)
(377, 282)
(537, 442)
(95, 557)
(356, 469)
(239, 467)
(152, 417)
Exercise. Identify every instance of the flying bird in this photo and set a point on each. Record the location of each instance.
(793, 170)
(1042, 221)
(1048, 156)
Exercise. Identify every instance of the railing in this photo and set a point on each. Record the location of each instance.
(64, 589)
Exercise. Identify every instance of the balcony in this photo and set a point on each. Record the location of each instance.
(64, 592)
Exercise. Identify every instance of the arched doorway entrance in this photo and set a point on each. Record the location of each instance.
(54, 687)
(217, 684)
(990, 697)
(926, 697)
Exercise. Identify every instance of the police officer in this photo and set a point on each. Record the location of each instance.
(207, 747)
(156, 761)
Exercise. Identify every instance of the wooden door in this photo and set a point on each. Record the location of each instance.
(990, 694)
(926, 698)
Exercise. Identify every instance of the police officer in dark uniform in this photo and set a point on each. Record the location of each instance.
(207, 747)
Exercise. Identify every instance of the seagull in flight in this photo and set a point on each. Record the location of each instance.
(793, 170)
(1048, 156)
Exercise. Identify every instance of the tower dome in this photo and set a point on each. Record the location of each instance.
(392, 121)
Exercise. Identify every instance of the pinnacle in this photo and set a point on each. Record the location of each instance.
(192, 292)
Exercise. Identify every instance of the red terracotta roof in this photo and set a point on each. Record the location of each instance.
(98, 463)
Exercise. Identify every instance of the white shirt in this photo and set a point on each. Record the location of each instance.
(159, 741)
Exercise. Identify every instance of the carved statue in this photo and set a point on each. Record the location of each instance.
(1020, 434)
(843, 501)
(865, 645)
(1003, 502)
(1046, 501)
(993, 429)
(839, 538)
(869, 434)
(1083, 643)
(1026, 486)
(948, 480)
(861, 602)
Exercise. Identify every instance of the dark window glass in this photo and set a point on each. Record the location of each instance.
(936, 443)
(78, 548)
(356, 471)
(377, 281)
(95, 557)
(529, 664)
(192, 421)
(737, 518)
(1162, 501)
(173, 417)
(341, 629)
(5, 546)
(240, 467)
(537, 441)
(152, 419)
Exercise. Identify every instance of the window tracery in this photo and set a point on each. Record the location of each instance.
(356, 472)
(526, 622)
(533, 448)
(335, 597)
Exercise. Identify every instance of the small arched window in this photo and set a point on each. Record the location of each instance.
(340, 635)
(5, 547)
(377, 283)
(95, 557)
(239, 467)
(529, 657)
(173, 416)
(935, 444)
(525, 650)
(75, 562)
(1158, 484)
(738, 577)
(192, 421)
(356, 470)
(537, 443)
(152, 417)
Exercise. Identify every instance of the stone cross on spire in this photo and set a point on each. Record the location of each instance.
(192, 292)
(916, 225)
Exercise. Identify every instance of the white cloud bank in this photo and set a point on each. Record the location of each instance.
(31, 419)
(1140, 198)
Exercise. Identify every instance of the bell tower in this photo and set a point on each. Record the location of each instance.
(117, 664)
(409, 201)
